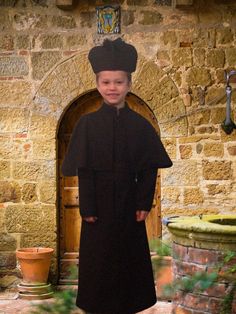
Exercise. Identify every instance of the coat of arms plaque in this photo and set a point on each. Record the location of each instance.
(108, 19)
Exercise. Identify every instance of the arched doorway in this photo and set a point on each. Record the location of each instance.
(69, 218)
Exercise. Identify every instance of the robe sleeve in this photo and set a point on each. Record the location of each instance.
(76, 155)
(87, 193)
(146, 183)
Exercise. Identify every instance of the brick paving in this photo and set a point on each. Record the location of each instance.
(10, 304)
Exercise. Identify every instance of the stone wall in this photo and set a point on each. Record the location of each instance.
(183, 53)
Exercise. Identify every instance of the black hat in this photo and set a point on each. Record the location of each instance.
(113, 56)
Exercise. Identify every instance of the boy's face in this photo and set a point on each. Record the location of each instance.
(113, 86)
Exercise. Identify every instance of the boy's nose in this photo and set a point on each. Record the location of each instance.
(112, 86)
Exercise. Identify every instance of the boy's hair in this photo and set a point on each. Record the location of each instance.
(129, 76)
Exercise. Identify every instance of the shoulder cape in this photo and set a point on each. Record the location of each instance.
(91, 144)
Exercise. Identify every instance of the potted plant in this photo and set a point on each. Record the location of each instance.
(162, 266)
(34, 264)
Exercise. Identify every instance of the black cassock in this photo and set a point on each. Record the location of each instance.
(116, 154)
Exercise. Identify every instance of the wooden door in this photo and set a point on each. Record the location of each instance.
(70, 221)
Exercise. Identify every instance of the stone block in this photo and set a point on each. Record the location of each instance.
(230, 54)
(217, 170)
(214, 93)
(163, 2)
(22, 42)
(206, 129)
(198, 138)
(13, 66)
(198, 95)
(29, 193)
(193, 196)
(2, 219)
(6, 42)
(43, 61)
(218, 115)
(6, 147)
(127, 17)
(137, 2)
(232, 150)
(4, 170)
(170, 195)
(33, 171)
(172, 109)
(42, 127)
(7, 242)
(13, 120)
(170, 146)
(209, 16)
(224, 36)
(66, 80)
(199, 148)
(51, 41)
(213, 150)
(15, 93)
(24, 20)
(220, 76)
(163, 58)
(227, 137)
(65, 4)
(4, 21)
(151, 18)
(44, 149)
(9, 192)
(181, 57)
(186, 151)
(75, 41)
(87, 79)
(87, 19)
(215, 58)
(9, 280)
(204, 38)
(199, 57)
(64, 22)
(214, 189)
(167, 93)
(199, 118)
(198, 76)
(45, 239)
(31, 219)
(169, 38)
(47, 192)
(7, 260)
(174, 129)
(182, 173)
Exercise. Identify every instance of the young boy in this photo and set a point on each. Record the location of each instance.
(116, 154)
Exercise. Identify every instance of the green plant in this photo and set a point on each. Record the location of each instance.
(64, 301)
(201, 281)
(160, 247)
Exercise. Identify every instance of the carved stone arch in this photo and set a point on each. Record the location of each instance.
(73, 77)
(72, 80)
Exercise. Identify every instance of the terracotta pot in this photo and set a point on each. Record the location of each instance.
(34, 264)
(163, 271)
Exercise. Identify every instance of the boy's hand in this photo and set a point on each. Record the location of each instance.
(141, 215)
(91, 219)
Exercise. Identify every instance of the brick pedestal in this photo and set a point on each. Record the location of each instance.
(189, 260)
(199, 245)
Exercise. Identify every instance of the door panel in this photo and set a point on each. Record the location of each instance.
(70, 220)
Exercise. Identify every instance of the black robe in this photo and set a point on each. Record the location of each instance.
(116, 154)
